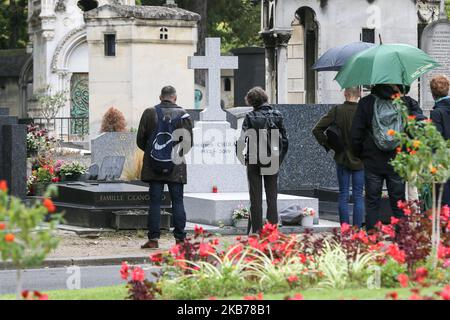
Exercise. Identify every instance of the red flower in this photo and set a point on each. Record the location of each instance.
(407, 211)
(394, 251)
(25, 294)
(156, 258)
(49, 205)
(297, 296)
(9, 237)
(401, 204)
(198, 230)
(40, 296)
(175, 250)
(2, 226)
(421, 274)
(403, 280)
(411, 117)
(443, 251)
(212, 298)
(392, 295)
(394, 220)
(345, 228)
(3, 186)
(257, 297)
(205, 250)
(125, 271)
(388, 230)
(445, 293)
(55, 179)
(138, 274)
(292, 279)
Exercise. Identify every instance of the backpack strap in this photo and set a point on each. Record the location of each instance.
(181, 117)
(159, 113)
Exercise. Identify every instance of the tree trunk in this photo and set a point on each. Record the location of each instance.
(13, 24)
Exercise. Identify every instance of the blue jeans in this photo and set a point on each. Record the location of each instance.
(179, 215)
(344, 174)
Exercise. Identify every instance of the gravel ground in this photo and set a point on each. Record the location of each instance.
(111, 244)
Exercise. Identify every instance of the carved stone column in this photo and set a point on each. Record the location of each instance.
(269, 44)
(282, 38)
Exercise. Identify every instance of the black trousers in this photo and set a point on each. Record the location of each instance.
(255, 180)
(374, 187)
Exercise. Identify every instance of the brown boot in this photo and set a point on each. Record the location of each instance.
(150, 244)
(179, 241)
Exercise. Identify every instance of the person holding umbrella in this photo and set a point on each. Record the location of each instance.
(387, 67)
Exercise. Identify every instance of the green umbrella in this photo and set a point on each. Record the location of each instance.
(386, 63)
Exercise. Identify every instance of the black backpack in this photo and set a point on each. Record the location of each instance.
(334, 136)
(161, 144)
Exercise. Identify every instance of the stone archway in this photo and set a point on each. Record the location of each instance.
(302, 54)
(26, 86)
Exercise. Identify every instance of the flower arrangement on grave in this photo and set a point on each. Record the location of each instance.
(26, 232)
(308, 212)
(240, 213)
(38, 139)
(41, 178)
(72, 171)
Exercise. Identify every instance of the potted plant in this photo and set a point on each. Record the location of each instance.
(72, 171)
(240, 217)
(40, 179)
(308, 217)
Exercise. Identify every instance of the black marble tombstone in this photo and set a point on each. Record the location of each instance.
(251, 72)
(13, 154)
(94, 205)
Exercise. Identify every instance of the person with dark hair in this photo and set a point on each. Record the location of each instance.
(376, 153)
(265, 143)
(348, 166)
(412, 104)
(158, 174)
(440, 115)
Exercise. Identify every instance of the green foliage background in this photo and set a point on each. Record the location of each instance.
(237, 22)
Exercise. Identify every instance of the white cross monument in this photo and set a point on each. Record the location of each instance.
(214, 62)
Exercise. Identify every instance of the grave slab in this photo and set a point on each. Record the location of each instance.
(92, 205)
(216, 208)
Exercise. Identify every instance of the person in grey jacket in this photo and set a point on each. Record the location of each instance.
(176, 179)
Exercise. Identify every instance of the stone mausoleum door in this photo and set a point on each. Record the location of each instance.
(79, 104)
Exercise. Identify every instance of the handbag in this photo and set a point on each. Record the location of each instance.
(334, 136)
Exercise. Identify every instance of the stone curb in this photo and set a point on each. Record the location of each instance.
(86, 261)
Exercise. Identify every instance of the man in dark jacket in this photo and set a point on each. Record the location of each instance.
(348, 166)
(262, 164)
(177, 178)
(440, 115)
(377, 167)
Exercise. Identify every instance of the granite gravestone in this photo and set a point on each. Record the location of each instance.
(251, 72)
(13, 155)
(436, 42)
(111, 169)
(94, 205)
(212, 160)
(121, 144)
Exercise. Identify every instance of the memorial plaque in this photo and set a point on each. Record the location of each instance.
(436, 42)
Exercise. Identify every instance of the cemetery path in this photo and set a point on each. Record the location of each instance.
(64, 278)
(111, 244)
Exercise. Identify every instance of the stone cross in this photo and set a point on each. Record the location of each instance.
(214, 63)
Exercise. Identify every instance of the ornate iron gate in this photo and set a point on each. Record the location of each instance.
(79, 107)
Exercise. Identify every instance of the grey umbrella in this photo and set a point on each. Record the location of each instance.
(335, 58)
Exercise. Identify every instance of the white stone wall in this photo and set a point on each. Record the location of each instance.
(341, 22)
(296, 76)
(132, 80)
